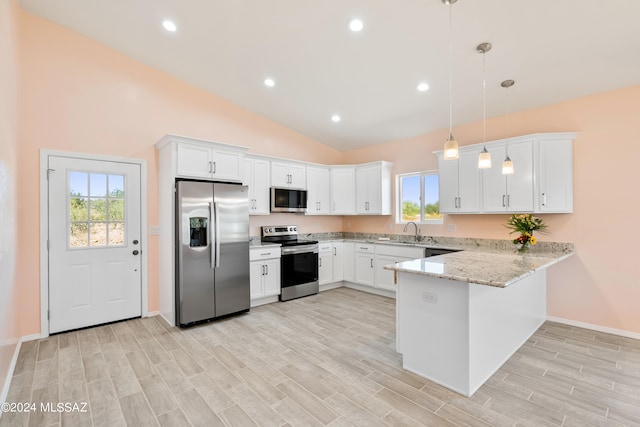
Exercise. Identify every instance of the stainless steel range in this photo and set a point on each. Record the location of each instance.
(298, 262)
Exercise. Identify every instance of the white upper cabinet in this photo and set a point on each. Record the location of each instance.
(509, 193)
(553, 159)
(288, 175)
(373, 189)
(202, 160)
(459, 182)
(257, 178)
(343, 190)
(318, 191)
(542, 181)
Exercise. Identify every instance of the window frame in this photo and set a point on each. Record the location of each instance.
(399, 198)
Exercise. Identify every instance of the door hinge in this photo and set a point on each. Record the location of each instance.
(48, 244)
(48, 315)
(48, 172)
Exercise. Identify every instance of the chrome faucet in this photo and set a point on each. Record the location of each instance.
(417, 229)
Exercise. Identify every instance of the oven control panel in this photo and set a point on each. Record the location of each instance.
(280, 230)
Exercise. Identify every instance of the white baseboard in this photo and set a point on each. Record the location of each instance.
(598, 328)
(329, 286)
(153, 313)
(32, 337)
(369, 289)
(12, 368)
(264, 300)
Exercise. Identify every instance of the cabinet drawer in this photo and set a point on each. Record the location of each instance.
(365, 248)
(264, 253)
(325, 247)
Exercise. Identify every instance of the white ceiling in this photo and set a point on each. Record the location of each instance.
(553, 49)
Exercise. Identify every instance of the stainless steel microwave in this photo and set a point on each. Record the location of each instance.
(288, 200)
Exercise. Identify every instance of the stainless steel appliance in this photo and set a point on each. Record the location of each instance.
(288, 200)
(298, 261)
(212, 250)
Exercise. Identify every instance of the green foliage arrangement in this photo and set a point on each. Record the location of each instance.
(525, 224)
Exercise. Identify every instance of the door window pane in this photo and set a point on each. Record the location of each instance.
(96, 210)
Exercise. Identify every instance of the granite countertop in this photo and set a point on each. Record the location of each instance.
(492, 268)
(259, 244)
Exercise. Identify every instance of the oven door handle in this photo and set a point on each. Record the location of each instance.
(300, 250)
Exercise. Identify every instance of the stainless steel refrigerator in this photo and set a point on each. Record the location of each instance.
(212, 250)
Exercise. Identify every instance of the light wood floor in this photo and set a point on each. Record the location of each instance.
(328, 359)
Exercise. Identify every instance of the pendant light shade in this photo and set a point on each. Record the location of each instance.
(507, 165)
(451, 148)
(484, 159)
(451, 145)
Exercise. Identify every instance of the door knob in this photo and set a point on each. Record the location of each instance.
(136, 252)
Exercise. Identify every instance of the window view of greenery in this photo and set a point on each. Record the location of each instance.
(420, 197)
(96, 210)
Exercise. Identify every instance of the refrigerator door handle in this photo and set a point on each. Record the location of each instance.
(212, 236)
(216, 257)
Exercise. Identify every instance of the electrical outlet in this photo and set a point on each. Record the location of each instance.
(154, 230)
(390, 226)
(451, 228)
(429, 297)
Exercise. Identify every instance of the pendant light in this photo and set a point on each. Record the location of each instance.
(451, 145)
(484, 159)
(507, 165)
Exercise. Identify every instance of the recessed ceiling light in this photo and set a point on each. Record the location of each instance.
(335, 118)
(169, 26)
(423, 87)
(356, 25)
(269, 82)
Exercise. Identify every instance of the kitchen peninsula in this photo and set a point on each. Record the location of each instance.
(460, 316)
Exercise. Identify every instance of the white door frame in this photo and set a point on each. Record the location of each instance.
(44, 228)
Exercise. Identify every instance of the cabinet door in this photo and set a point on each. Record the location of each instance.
(338, 261)
(298, 176)
(520, 183)
(227, 165)
(364, 269)
(325, 267)
(193, 161)
(343, 191)
(279, 174)
(384, 278)
(554, 176)
(362, 191)
(256, 274)
(468, 182)
(349, 258)
(494, 183)
(260, 187)
(374, 186)
(318, 191)
(271, 284)
(448, 185)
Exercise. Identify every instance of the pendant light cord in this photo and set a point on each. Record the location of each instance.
(450, 72)
(507, 136)
(484, 98)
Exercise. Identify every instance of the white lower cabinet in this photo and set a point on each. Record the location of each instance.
(325, 263)
(349, 261)
(264, 272)
(388, 254)
(338, 261)
(364, 264)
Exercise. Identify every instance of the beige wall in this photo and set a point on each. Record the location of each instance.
(81, 96)
(78, 95)
(600, 285)
(9, 83)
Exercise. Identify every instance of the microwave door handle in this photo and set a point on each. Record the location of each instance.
(217, 222)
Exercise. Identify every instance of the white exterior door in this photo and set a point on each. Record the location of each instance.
(94, 242)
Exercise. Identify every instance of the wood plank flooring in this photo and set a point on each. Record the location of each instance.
(328, 359)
